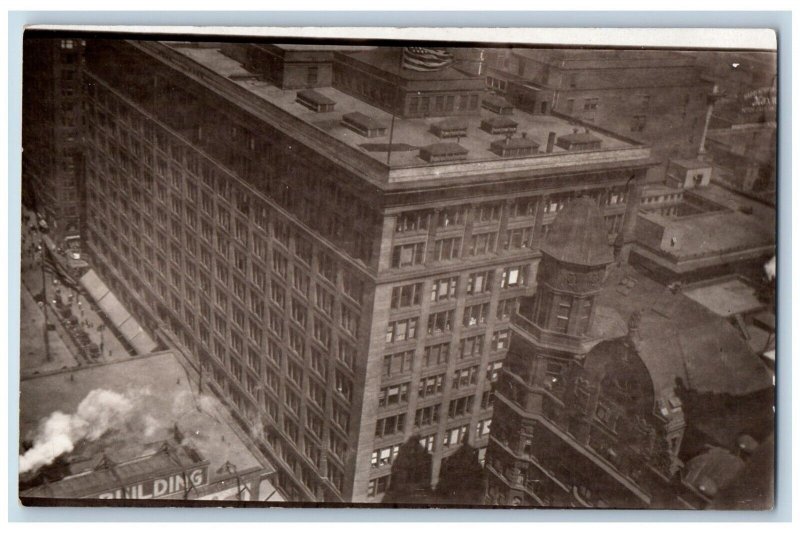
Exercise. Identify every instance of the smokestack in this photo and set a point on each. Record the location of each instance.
(551, 140)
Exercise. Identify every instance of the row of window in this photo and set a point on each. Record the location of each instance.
(448, 248)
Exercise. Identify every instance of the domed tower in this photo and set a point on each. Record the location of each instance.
(571, 272)
(552, 333)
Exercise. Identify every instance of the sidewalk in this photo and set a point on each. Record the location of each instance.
(33, 358)
(31, 279)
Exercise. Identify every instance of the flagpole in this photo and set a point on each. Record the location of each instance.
(394, 105)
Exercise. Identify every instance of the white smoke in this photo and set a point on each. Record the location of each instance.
(58, 434)
(769, 268)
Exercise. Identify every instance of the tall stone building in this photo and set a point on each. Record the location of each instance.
(52, 153)
(611, 390)
(339, 249)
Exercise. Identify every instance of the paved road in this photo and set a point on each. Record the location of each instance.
(31, 343)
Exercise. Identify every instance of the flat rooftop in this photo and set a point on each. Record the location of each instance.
(725, 297)
(717, 231)
(163, 398)
(409, 134)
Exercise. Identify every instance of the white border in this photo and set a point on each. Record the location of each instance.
(726, 38)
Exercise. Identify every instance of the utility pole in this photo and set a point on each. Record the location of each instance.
(44, 309)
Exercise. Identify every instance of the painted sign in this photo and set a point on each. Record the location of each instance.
(159, 487)
(758, 100)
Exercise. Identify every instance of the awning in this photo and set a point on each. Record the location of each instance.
(117, 314)
(113, 309)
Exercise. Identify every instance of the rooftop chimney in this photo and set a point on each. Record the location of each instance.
(551, 140)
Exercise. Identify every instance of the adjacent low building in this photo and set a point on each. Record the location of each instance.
(615, 387)
(173, 442)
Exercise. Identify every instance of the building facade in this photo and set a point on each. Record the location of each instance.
(338, 297)
(52, 155)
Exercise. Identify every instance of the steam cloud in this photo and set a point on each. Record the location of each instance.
(769, 268)
(58, 434)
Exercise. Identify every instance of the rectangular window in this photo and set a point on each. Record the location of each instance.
(431, 386)
(398, 363)
(378, 486)
(471, 347)
(343, 385)
(444, 289)
(299, 313)
(384, 456)
(400, 330)
(406, 295)
(447, 249)
(519, 238)
(514, 276)
(493, 371)
(301, 281)
(348, 319)
(427, 415)
(476, 315)
(412, 221)
(460, 407)
(455, 436)
(479, 282)
(428, 442)
(482, 243)
(441, 322)
(390, 425)
(408, 254)
(500, 340)
(452, 216)
(487, 212)
(393, 395)
(323, 299)
(438, 354)
(506, 308)
(562, 314)
(353, 286)
(280, 264)
(465, 377)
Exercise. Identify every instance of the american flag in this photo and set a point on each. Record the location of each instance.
(426, 59)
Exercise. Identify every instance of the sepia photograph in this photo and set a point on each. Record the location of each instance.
(340, 272)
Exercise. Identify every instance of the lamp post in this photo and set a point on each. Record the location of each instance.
(230, 468)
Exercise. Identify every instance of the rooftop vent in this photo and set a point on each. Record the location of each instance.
(315, 101)
(363, 125)
(497, 104)
(576, 141)
(515, 146)
(499, 126)
(453, 127)
(440, 152)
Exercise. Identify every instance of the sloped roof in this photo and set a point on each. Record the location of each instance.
(679, 338)
(578, 235)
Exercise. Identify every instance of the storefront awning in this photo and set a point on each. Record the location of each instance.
(117, 314)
